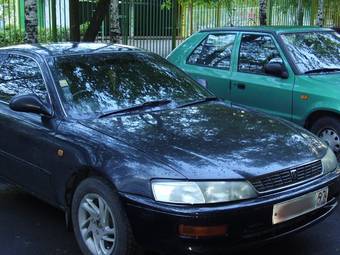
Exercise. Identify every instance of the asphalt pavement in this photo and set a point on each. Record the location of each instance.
(29, 226)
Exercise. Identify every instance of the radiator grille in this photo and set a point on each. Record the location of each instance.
(287, 177)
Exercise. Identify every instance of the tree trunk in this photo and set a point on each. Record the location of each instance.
(74, 21)
(263, 12)
(114, 21)
(319, 21)
(97, 19)
(31, 21)
(300, 13)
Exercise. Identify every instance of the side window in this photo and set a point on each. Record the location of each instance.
(215, 51)
(255, 52)
(20, 75)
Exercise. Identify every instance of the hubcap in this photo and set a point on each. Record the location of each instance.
(97, 225)
(332, 138)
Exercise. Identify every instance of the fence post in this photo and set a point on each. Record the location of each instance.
(21, 7)
(191, 13)
(270, 12)
(174, 23)
(54, 20)
(218, 15)
(74, 20)
(125, 21)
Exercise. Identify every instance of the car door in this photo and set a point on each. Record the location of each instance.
(26, 139)
(251, 86)
(210, 62)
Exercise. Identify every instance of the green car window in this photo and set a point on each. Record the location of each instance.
(313, 50)
(255, 52)
(215, 51)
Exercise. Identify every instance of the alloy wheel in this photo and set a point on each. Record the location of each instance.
(97, 225)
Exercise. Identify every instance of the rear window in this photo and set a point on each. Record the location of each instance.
(215, 51)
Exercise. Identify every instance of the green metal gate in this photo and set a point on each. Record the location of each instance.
(158, 25)
(150, 25)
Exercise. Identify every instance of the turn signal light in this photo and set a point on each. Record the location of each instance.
(202, 231)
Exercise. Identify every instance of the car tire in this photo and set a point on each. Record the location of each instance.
(99, 218)
(328, 129)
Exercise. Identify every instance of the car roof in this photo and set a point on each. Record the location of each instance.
(270, 29)
(68, 48)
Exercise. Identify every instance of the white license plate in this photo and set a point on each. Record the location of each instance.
(296, 207)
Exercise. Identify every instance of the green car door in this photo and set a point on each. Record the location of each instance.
(210, 62)
(252, 85)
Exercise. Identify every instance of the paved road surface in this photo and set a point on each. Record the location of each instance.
(31, 227)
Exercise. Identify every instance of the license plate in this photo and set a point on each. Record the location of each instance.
(299, 206)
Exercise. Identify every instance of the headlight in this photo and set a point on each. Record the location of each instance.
(329, 162)
(182, 192)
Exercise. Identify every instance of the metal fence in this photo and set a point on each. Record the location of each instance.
(158, 25)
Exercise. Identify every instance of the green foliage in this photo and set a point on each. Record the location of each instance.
(288, 4)
(11, 35)
(63, 34)
(211, 3)
(84, 27)
(45, 35)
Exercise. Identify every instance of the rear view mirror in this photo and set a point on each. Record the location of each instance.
(30, 103)
(276, 69)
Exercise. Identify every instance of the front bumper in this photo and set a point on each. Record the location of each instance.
(155, 225)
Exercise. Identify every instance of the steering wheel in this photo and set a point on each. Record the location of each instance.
(81, 92)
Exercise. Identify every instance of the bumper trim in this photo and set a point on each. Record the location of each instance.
(328, 210)
(249, 222)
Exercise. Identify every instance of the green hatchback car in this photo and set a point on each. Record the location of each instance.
(289, 72)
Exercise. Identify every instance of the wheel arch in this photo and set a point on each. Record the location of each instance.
(71, 185)
(77, 177)
(312, 117)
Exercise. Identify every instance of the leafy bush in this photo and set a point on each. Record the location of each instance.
(11, 35)
(45, 35)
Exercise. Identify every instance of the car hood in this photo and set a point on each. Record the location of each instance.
(332, 78)
(328, 84)
(213, 141)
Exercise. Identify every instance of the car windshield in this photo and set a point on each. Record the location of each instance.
(313, 51)
(96, 84)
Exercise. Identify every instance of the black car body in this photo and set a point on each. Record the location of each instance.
(50, 154)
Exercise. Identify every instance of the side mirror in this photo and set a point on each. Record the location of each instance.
(29, 103)
(276, 69)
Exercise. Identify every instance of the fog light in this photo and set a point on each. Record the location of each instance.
(202, 231)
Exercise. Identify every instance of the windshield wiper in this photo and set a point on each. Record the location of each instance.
(321, 70)
(148, 104)
(200, 101)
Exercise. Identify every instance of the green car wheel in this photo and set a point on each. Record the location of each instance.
(328, 129)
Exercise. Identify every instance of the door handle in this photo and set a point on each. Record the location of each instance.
(241, 86)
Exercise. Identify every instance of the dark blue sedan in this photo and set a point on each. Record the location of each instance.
(139, 155)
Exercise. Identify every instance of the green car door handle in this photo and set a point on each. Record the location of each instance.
(241, 86)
